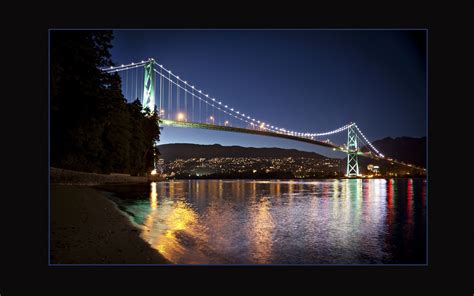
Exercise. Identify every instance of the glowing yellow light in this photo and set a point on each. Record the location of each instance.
(180, 116)
(153, 196)
(262, 125)
(153, 172)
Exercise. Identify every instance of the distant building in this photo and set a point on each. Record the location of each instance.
(374, 169)
(159, 165)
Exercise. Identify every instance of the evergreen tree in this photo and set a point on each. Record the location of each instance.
(92, 126)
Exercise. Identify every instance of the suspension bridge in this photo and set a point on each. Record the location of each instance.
(181, 104)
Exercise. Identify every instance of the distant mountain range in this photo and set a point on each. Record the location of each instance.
(170, 152)
(409, 150)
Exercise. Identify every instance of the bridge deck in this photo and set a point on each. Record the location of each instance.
(175, 123)
(246, 131)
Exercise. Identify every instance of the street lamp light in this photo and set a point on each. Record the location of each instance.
(212, 119)
(181, 116)
(226, 123)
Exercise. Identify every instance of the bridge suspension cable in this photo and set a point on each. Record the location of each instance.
(228, 110)
(341, 129)
(212, 105)
(209, 101)
(368, 142)
(122, 67)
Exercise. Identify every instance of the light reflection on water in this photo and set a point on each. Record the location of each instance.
(342, 221)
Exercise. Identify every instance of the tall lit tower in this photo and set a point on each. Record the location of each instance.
(352, 149)
(149, 86)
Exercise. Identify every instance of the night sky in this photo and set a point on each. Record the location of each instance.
(303, 80)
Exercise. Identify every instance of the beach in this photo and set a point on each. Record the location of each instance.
(88, 228)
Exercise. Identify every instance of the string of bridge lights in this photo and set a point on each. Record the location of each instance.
(368, 142)
(197, 96)
(230, 110)
(242, 116)
(123, 67)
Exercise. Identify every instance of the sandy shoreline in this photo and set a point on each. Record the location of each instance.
(88, 228)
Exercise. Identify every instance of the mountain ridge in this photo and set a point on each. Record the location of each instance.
(408, 149)
(170, 152)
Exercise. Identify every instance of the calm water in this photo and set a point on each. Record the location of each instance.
(282, 222)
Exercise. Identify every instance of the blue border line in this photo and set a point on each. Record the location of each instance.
(427, 140)
(233, 29)
(242, 29)
(243, 265)
(49, 148)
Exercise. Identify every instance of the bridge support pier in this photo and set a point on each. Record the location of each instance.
(352, 169)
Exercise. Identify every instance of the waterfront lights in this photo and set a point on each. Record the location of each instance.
(180, 116)
(211, 118)
(153, 172)
(226, 123)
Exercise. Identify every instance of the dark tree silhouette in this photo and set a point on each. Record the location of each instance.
(93, 128)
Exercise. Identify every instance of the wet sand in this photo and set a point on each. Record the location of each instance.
(88, 228)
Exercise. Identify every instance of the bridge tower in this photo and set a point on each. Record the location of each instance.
(149, 86)
(352, 149)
